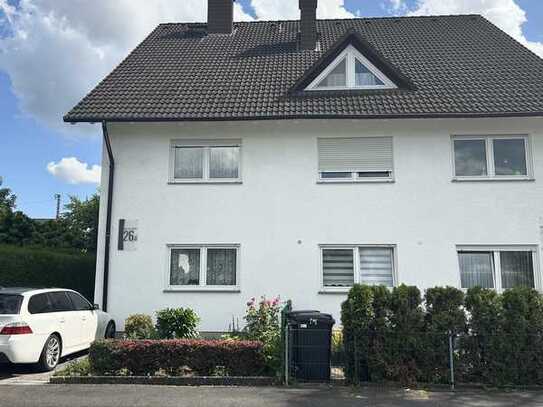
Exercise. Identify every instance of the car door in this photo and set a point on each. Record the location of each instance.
(69, 322)
(87, 315)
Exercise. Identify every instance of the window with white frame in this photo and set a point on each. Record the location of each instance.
(498, 268)
(355, 159)
(351, 70)
(343, 266)
(484, 157)
(205, 160)
(203, 266)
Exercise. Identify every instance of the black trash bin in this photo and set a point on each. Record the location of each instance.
(310, 338)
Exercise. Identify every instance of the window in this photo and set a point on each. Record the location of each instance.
(491, 157)
(344, 266)
(351, 70)
(80, 303)
(498, 268)
(10, 304)
(60, 301)
(196, 267)
(205, 161)
(40, 304)
(356, 159)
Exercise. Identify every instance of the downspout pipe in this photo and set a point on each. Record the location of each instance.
(107, 143)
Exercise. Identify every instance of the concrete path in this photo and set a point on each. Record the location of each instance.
(26, 374)
(314, 396)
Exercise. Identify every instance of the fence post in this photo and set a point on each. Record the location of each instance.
(451, 358)
(286, 355)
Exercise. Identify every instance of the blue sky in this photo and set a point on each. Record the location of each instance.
(38, 82)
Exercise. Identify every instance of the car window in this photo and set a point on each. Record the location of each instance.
(10, 304)
(80, 304)
(60, 301)
(39, 304)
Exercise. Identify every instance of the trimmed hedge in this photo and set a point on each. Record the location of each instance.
(395, 336)
(39, 267)
(173, 357)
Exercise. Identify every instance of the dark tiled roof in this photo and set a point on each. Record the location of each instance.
(450, 66)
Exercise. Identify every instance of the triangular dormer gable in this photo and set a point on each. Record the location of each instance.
(352, 64)
(351, 71)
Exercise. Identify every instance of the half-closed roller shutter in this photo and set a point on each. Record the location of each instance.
(356, 154)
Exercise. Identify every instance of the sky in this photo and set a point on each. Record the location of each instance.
(53, 52)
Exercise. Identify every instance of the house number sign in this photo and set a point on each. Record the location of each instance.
(128, 234)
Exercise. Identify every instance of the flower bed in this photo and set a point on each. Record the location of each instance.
(177, 357)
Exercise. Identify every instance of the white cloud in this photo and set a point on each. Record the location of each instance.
(506, 14)
(73, 171)
(55, 51)
(289, 9)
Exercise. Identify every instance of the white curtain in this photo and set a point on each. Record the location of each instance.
(224, 162)
(336, 78)
(476, 269)
(185, 267)
(221, 267)
(517, 269)
(189, 162)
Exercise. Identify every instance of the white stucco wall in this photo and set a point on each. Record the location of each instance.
(423, 212)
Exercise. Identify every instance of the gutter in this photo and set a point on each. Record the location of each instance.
(107, 143)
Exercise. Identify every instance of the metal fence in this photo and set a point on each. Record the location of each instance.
(432, 358)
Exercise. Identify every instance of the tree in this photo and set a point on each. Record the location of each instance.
(7, 202)
(81, 219)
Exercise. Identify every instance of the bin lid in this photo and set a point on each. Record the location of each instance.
(305, 316)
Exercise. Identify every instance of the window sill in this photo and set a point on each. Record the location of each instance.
(198, 289)
(493, 179)
(357, 181)
(335, 290)
(204, 182)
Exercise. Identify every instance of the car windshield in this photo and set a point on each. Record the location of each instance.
(10, 304)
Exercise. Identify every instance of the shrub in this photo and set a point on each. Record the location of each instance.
(139, 326)
(203, 357)
(263, 324)
(177, 323)
(482, 358)
(36, 267)
(390, 336)
(444, 313)
(357, 315)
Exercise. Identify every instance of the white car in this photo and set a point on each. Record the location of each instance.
(41, 326)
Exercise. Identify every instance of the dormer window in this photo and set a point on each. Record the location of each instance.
(351, 70)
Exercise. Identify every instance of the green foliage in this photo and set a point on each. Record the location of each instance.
(444, 314)
(34, 267)
(76, 229)
(177, 323)
(176, 357)
(80, 367)
(499, 337)
(139, 326)
(263, 324)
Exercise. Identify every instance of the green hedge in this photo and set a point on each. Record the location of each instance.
(396, 336)
(37, 267)
(175, 356)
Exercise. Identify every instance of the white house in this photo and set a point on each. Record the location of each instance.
(296, 158)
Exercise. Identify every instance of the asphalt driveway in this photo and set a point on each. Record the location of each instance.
(314, 396)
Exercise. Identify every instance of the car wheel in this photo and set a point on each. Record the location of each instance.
(110, 330)
(50, 355)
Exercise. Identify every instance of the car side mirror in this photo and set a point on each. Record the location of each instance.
(96, 307)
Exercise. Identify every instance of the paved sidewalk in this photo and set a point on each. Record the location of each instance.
(314, 396)
(26, 374)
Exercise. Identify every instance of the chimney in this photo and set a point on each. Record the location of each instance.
(308, 24)
(220, 16)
